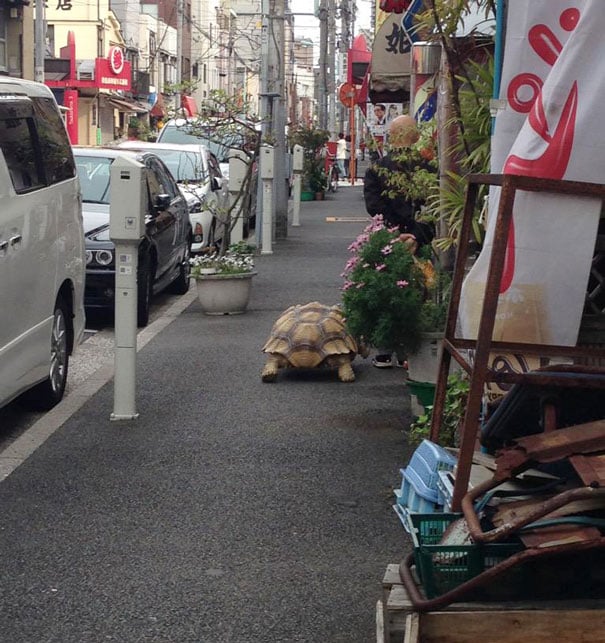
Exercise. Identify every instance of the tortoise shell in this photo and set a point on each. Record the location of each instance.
(306, 334)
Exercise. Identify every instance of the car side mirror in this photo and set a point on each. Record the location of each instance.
(162, 202)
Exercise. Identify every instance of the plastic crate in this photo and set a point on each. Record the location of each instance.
(444, 567)
(427, 460)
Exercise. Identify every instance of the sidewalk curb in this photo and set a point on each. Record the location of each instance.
(18, 451)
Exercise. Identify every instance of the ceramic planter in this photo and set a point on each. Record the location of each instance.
(424, 364)
(221, 294)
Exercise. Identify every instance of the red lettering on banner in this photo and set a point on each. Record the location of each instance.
(553, 162)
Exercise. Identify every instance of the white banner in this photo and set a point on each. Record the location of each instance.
(553, 81)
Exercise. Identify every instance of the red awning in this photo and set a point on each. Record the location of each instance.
(358, 60)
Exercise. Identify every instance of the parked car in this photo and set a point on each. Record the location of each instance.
(192, 130)
(198, 174)
(164, 251)
(41, 247)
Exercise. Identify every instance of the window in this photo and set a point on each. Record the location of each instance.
(54, 144)
(18, 144)
(3, 66)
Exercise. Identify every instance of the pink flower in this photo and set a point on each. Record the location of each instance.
(361, 284)
(386, 250)
(402, 283)
(347, 285)
(380, 266)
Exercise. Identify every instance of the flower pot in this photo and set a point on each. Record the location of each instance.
(424, 364)
(207, 271)
(221, 294)
(422, 395)
(319, 196)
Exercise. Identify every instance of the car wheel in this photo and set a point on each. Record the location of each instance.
(145, 291)
(49, 392)
(181, 284)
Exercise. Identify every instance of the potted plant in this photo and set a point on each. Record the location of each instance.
(223, 281)
(317, 182)
(385, 288)
(453, 412)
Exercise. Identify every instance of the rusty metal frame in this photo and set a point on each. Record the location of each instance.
(479, 371)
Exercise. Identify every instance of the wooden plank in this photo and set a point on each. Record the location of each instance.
(510, 626)
(412, 628)
(399, 602)
(379, 623)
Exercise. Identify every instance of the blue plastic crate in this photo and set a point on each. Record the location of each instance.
(427, 460)
(414, 495)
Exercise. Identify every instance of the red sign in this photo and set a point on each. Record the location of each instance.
(106, 78)
(116, 60)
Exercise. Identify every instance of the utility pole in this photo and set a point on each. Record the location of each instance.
(179, 48)
(273, 106)
(39, 41)
(331, 75)
(322, 90)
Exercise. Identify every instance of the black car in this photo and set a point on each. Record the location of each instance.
(164, 251)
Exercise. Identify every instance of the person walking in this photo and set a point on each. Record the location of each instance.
(341, 155)
(398, 210)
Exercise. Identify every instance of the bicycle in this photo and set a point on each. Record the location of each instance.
(331, 175)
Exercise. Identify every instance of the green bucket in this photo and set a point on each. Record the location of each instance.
(307, 196)
(424, 391)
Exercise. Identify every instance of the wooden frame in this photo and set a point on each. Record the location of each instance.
(479, 371)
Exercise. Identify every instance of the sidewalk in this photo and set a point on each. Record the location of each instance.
(231, 511)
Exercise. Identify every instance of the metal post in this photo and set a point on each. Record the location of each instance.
(297, 168)
(267, 174)
(125, 356)
(126, 229)
(296, 199)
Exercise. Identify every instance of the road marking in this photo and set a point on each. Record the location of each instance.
(346, 219)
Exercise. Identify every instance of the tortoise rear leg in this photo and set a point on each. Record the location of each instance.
(345, 371)
(274, 363)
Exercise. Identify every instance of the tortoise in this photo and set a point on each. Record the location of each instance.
(307, 336)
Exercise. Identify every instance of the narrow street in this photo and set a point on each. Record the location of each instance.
(231, 510)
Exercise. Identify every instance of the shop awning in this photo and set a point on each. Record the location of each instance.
(125, 105)
(358, 60)
(391, 63)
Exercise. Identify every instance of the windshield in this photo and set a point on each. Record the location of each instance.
(94, 172)
(184, 166)
(189, 133)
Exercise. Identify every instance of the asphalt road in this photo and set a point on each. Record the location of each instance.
(231, 511)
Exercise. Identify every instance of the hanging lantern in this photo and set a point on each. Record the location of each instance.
(394, 6)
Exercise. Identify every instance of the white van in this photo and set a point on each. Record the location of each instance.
(42, 257)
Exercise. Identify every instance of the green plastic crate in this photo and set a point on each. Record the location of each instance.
(444, 567)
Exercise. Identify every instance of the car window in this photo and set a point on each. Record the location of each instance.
(201, 135)
(56, 152)
(164, 178)
(184, 166)
(18, 144)
(94, 174)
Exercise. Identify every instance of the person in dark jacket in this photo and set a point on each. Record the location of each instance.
(397, 209)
